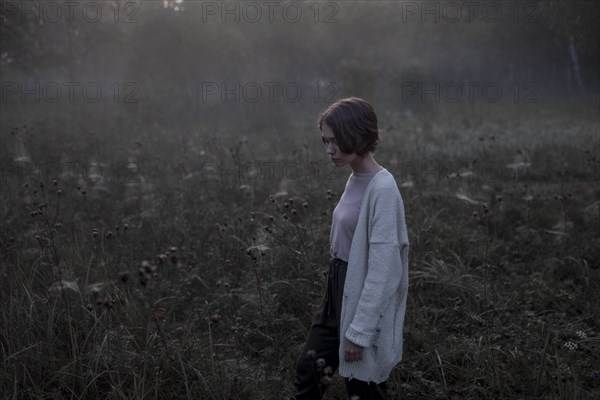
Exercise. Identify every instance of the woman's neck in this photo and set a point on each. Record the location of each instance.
(365, 164)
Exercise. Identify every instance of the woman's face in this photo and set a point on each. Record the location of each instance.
(331, 147)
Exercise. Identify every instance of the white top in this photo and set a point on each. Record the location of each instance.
(376, 285)
(345, 214)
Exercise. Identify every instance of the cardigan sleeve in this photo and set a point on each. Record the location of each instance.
(384, 269)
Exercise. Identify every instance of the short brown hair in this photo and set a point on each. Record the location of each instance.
(354, 125)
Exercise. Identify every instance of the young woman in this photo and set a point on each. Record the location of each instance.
(359, 326)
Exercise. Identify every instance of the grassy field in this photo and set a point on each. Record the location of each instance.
(151, 269)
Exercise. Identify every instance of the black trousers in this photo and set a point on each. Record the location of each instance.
(319, 358)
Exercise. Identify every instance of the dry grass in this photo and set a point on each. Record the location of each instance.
(177, 283)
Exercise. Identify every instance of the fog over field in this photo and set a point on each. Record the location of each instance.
(167, 201)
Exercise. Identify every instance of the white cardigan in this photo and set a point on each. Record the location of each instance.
(376, 283)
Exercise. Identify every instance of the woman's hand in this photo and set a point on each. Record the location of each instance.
(352, 352)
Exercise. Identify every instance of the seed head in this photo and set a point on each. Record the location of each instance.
(148, 268)
(124, 276)
(160, 314)
(570, 345)
(108, 303)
